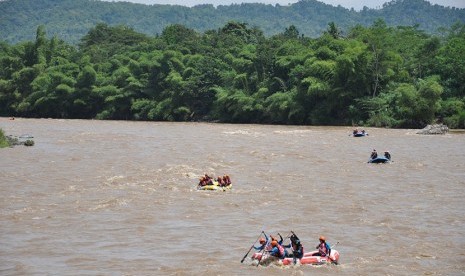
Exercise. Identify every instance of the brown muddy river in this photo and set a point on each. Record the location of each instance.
(120, 198)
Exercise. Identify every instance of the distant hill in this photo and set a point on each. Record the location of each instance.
(71, 19)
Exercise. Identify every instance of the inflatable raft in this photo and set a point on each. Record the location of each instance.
(360, 134)
(215, 187)
(307, 259)
(379, 159)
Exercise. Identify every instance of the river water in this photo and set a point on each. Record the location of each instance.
(120, 198)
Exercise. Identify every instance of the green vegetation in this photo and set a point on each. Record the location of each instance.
(377, 75)
(72, 19)
(3, 140)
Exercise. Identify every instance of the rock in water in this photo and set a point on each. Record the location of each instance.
(434, 129)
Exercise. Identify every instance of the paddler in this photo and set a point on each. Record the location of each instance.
(323, 248)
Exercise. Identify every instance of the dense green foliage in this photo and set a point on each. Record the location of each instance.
(377, 75)
(72, 19)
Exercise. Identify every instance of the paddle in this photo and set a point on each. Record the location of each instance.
(245, 256)
(262, 255)
(292, 232)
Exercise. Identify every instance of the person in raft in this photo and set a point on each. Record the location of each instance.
(296, 246)
(275, 239)
(323, 248)
(277, 250)
(263, 242)
(226, 180)
(205, 180)
(374, 154)
(280, 242)
(202, 181)
(387, 155)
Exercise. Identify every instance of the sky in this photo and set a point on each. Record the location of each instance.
(356, 4)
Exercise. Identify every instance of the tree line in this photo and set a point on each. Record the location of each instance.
(72, 19)
(376, 76)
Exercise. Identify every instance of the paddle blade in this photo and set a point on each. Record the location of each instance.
(244, 257)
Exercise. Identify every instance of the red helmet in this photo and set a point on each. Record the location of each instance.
(322, 238)
(274, 243)
(262, 240)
